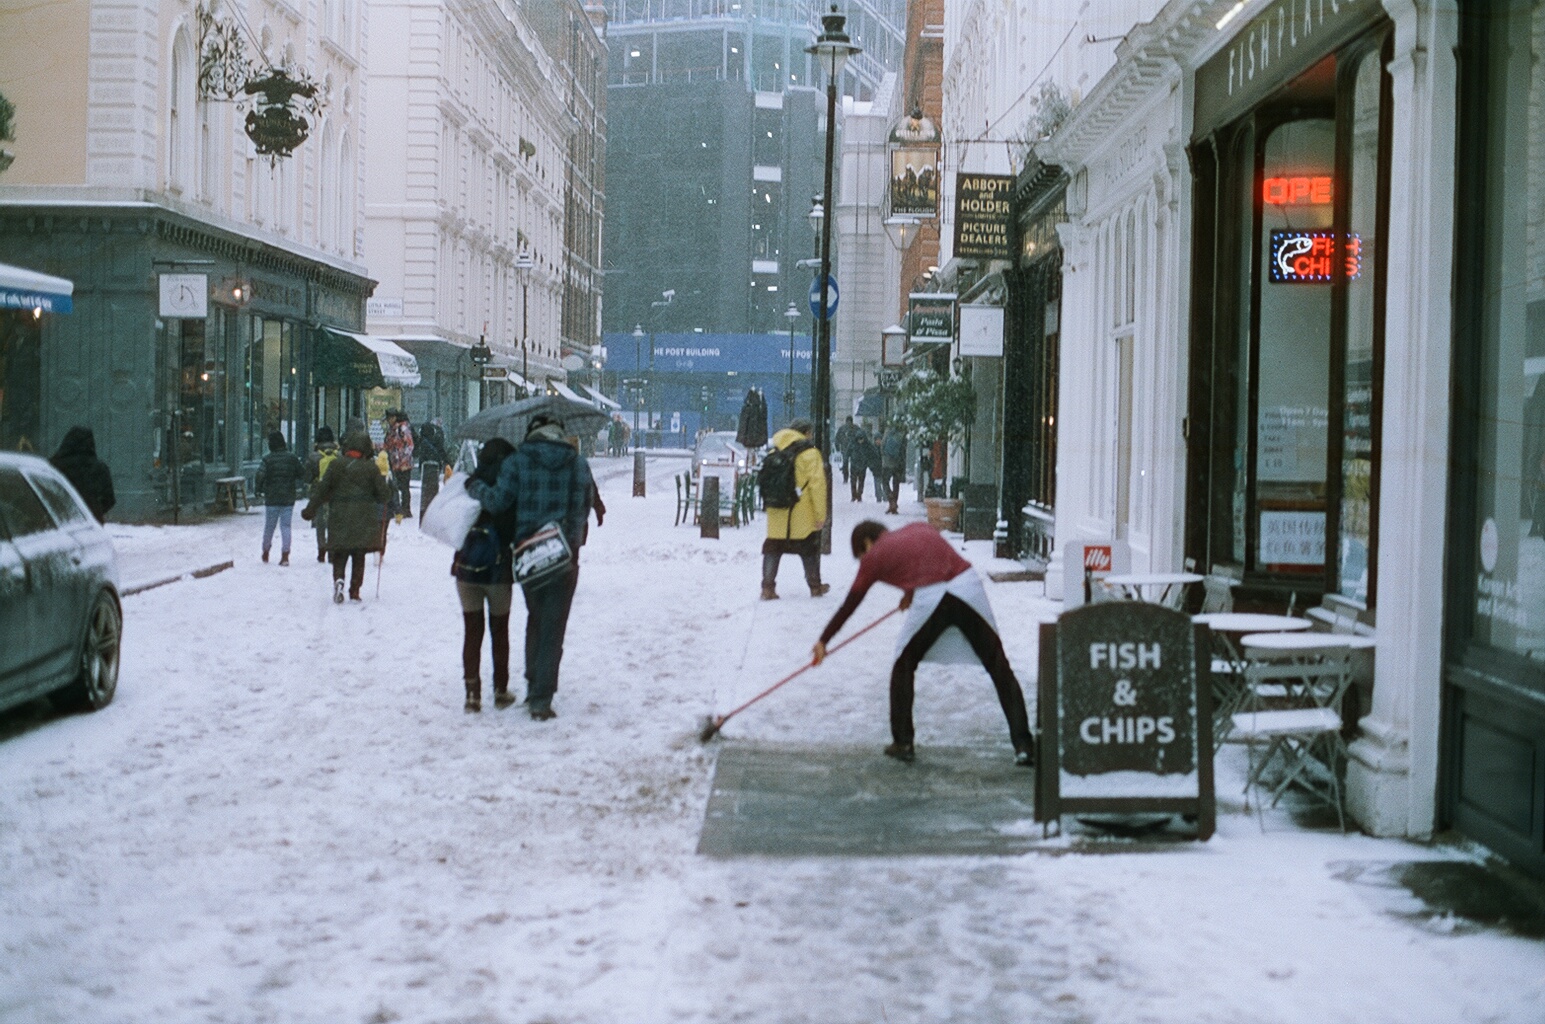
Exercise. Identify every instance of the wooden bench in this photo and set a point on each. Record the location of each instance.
(229, 490)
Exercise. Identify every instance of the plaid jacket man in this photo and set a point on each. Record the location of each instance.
(547, 481)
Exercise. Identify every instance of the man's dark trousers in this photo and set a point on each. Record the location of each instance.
(952, 611)
(431, 485)
(547, 619)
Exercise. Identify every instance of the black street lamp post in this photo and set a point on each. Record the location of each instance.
(638, 388)
(524, 264)
(790, 395)
(831, 50)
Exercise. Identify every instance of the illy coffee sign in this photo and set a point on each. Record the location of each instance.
(1125, 714)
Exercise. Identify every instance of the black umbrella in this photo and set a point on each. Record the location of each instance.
(510, 420)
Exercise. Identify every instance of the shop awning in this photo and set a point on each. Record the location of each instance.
(346, 360)
(568, 392)
(872, 404)
(27, 289)
(606, 403)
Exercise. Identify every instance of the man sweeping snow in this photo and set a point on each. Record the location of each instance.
(948, 620)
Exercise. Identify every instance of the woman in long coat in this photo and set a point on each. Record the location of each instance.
(354, 492)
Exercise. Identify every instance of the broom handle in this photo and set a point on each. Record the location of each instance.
(805, 667)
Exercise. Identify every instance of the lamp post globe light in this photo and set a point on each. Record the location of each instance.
(831, 49)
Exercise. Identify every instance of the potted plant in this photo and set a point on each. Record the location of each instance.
(937, 409)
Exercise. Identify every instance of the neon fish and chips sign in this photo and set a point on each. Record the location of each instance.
(1308, 257)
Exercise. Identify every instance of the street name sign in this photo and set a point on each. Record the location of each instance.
(1125, 714)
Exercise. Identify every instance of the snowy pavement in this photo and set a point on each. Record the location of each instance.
(286, 816)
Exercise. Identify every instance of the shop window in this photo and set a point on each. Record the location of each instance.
(1285, 435)
(1501, 363)
(270, 386)
(20, 381)
(1292, 357)
(201, 390)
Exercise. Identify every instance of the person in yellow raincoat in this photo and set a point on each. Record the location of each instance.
(794, 528)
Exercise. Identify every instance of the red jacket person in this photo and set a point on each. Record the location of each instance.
(946, 605)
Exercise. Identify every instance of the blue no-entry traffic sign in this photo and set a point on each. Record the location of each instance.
(831, 297)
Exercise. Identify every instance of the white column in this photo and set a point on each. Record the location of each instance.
(1075, 341)
(1393, 775)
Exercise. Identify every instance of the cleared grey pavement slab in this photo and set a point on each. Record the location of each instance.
(852, 801)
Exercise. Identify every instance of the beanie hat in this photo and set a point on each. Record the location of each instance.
(325, 435)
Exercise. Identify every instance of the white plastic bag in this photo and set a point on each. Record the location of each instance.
(450, 516)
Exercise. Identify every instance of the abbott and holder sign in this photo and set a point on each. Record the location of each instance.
(983, 214)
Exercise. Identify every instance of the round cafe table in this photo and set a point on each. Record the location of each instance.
(1250, 622)
(1304, 644)
(1228, 665)
(1164, 585)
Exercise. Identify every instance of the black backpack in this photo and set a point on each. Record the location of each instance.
(776, 478)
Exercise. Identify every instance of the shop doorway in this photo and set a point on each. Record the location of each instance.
(1288, 335)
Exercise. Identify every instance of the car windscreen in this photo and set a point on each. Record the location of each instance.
(20, 508)
(66, 508)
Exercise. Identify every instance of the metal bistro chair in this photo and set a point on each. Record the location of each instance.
(1295, 711)
(746, 497)
(686, 499)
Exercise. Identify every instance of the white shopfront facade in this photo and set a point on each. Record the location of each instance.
(1121, 453)
(1162, 449)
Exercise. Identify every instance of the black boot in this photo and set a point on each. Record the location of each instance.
(474, 695)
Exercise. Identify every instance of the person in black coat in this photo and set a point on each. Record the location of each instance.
(77, 460)
(279, 481)
(432, 456)
(864, 458)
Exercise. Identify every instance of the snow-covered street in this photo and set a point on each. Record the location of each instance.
(286, 816)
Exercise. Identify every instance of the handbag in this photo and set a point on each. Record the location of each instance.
(449, 518)
(541, 555)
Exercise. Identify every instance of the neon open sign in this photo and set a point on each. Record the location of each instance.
(1297, 191)
(1308, 257)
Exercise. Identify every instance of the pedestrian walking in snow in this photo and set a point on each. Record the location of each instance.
(399, 456)
(941, 593)
(893, 464)
(324, 452)
(77, 460)
(432, 460)
(793, 485)
(548, 483)
(278, 480)
(865, 458)
(391, 509)
(354, 493)
(485, 577)
(843, 443)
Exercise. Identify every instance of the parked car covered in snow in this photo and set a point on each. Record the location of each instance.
(61, 622)
(718, 449)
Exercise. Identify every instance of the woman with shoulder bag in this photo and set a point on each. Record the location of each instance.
(484, 575)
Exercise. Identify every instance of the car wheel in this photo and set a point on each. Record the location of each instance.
(93, 688)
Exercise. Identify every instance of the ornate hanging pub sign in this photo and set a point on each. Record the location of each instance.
(275, 124)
